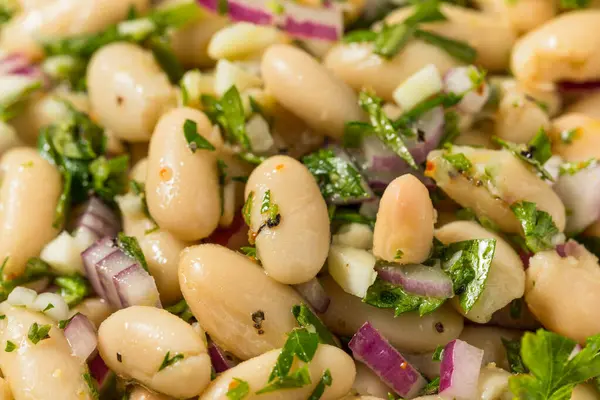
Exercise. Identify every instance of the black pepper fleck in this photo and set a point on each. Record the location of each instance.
(439, 327)
(258, 317)
(119, 357)
(119, 100)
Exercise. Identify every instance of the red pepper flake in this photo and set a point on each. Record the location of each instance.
(279, 167)
(429, 167)
(165, 173)
(233, 384)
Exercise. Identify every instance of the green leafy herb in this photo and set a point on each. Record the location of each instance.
(91, 383)
(337, 177)
(249, 251)
(296, 379)
(399, 254)
(306, 319)
(445, 100)
(360, 36)
(354, 132)
(14, 97)
(326, 380)
(8, 8)
(391, 39)
(438, 354)
(247, 209)
(459, 161)
(513, 355)
(228, 113)
(38, 332)
(571, 168)
(238, 389)
(451, 128)
(383, 294)
(182, 310)
(540, 231)
(62, 324)
(73, 288)
(457, 49)
(109, 175)
(269, 209)
(194, 139)
(131, 247)
(432, 387)
(10, 346)
(168, 361)
(344, 215)
(574, 4)
(49, 307)
(568, 135)
(35, 269)
(535, 153)
(139, 189)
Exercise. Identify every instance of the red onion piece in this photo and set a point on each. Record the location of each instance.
(431, 124)
(108, 268)
(82, 337)
(136, 287)
(418, 279)
(459, 370)
(570, 86)
(457, 80)
(97, 217)
(372, 349)
(13, 62)
(255, 11)
(232, 237)
(93, 255)
(221, 360)
(313, 292)
(99, 370)
(580, 195)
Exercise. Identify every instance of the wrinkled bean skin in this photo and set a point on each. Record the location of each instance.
(588, 105)
(585, 143)
(26, 212)
(141, 393)
(142, 336)
(368, 383)
(404, 222)
(42, 371)
(295, 250)
(561, 49)
(128, 90)
(506, 277)
(309, 90)
(407, 332)
(224, 288)
(489, 339)
(563, 292)
(182, 187)
(256, 372)
(62, 18)
(96, 309)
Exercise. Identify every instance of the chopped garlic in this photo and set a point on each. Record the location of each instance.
(64, 254)
(228, 74)
(418, 87)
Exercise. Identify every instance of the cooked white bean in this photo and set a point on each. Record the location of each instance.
(190, 43)
(135, 342)
(584, 143)
(182, 187)
(506, 277)
(407, 332)
(141, 393)
(585, 391)
(489, 339)
(295, 248)
(588, 105)
(42, 371)
(404, 225)
(256, 372)
(5, 393)
(309, 90)
(524, 15)
(128, 90)
(493, 384)
(29, 194)
(96, 309)
(368, 383)
(227, 292)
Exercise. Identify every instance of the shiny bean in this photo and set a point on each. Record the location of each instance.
(96, 309)
(141, 393)
(5, 393)
(489, 339)
(524, 15)
(309, 90)
(584, 143)
(256, 373)
(128, 90)
(404, 225)
(588, 105)
(182, 187)
(240, 307)
(368, 383)
(29, 194)
(135, 342)
(190, 43)
(294, 249)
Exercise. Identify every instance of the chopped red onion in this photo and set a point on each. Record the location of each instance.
(570, 86)
(580, 195)
(313, 292)
(525, 256)
(458, 80)
(108, 268)
(82, 337)
(97, 217)
(431, 126)
(99, 370)
(221, 359)
(234, 236)
(93, 255)
(254, 11)
(459, 370)
(417, 279)
(136, 287)
(13, 62)
(372, 349)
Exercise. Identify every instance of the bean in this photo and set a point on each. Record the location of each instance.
(256, 373)
(182, 187)
(523, 15)
(43, 371)
(561, 49)
(29, 194)
(128, 90)
(489, 339)
(242, 309)
(292, 247)
(584, 391)
(404, 225)
(190, 43)
(515, 316)
(407, 332)
(309, 90)
(141, 393)
(509, 180)
(588, 105)
(562, 292)
(584, 142)
(137, 342)
(5, 393)
(506, 277)
(493, 383)
(62, 18)
(96, 309)
(368, 383)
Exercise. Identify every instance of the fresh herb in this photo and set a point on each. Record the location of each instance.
(445, 100)
(8, 8)
(538, 228)
(62, 324)
(344, 215)
(91, 383)
(258, 109)
(468, 214)
(438, 354)
(307, 319)
(109, 176)
(14, 97)
(35, 269)
(249, 251)
(167, 361)
(10, 346)
(247, 209)
(399, 254)
(326, 380)
(73, 288)
(139, 189)
(296, 379)
(391, 39)
(238, 389)
(457, 49)
(49, 307)
(451, 128)
(360, 36)
(568, 135)
(574, 4)
(354, 132)
(194, 139)
(38, 332)
(269, 209)
(513, 355)
(535, 153)
(131, 247)
(571, 168)
(182, 310)
(432, 387)
(337, 177)
(228, 113)
(459, 161)
(383, 294)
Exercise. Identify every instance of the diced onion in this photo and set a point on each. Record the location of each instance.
(82, 337)
(221, 360)
(109, 267)
(418, 279)
(228, 74)
(94, 254)
(59, 310)
(418, 87)
(459, 81)
(352, 269)
(459, 370)
(136, 287)
(63, 254)
(580, 195)
(258, 132)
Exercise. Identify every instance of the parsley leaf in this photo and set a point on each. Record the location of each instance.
(91, 383)
(306, 319)
(194, 139)
(270, 210)
(432, 387)
(296, 379)
(247, 209)
(249, 251)
(535, 153)
(10, 346)
(459, 161)
(139, 189)
(383, 294)
(457, 49)
(228, 113)
(438, 354)
(73, 288)
(391, 39)
(540, 231)
(326, 380)
(167, 361)
(131, 247)
(571, 168)
(37, 332)
(360, 36)
(238, 389)
(513, 355)
(182, 310)
(345, 215)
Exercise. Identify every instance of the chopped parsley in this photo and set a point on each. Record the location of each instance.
(571, 168)
(194, 139)
(347, 215)
(307, 319)
(228, 113)
(568, 135)
(38, 333)
(326, 380)
(247, 209)
(538, 228)
(269, 209)
(49, 307)
(354, 132)
(574, 4)
(72, 288)
(249, 251)
(399, 254)
(513, 355)
(459, 161)
(168, 361)
(10, 346)
(182, 310)
(91, 383)
(457, 49)
(391, 39)
(139, 189)
(131, 247)
(238, 389)
(535, 153)
(432, 387)
(35, 269)
(438, 354)
(383, 294)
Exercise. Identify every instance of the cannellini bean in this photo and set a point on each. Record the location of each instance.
(500, 180)
(491, 36)
(5, 393)
(523, 15)
(256, 372)
(358, 66)
(42, 371)
(475, 138)
(128, 90)
(62, 18)
(563, 292)
(359, 236)
(407, 332)
(242, 40)
(584, 143)
(96, 309)
(368, 383)
(190, 44)
(561, 49)
(135, 342)
(515, 317)
(588, 105)
(293, 250)
(228, 293)
(29, 194)
(404, 225)
(506, 277)
(489, 339)
(293, 135)
(182, 187)
(493, 383)
(585, 391)
(309, 90)
(141, 393)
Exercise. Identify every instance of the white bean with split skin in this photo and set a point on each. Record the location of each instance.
(156, 348)
(292, 246)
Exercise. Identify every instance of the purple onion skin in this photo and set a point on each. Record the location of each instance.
(221, 361)
(314, 293)
(77, 323)
(93, 255)
(459, 370)
(447, 366)
(570, 86)
(98, 369)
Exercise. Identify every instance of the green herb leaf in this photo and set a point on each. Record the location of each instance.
(571, 168)
(459, 161)
(432, 387)
(91, 383)
(109, 176)
(167, 361)
(383, 294)
(269, 209)
(10, 346)
(35, 269)
(139, 189)
(194, 139)
(249, 251)
(568, 135)
(300, 343)
(238, 389)
(49, 307)
(426, 11)
(457, 49)
(38, 332)
(182, 310)
(247, 209)
(296, 379)
(574, 4)
(438, 354)
(344, 215)
(326, 380)
(233, 112)
(399, 254)
(513, 355)
(535, 153)
(131, 247)
(540, 231)
(73, 288)
(354, 132)
(360, 36)
(391, 39)
(306, 319)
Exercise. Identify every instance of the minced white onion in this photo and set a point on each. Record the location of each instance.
(21, 296)
(59, 310)
(419, 86)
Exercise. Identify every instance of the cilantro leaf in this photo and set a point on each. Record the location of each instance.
(459, 161)
(131, 247)
(383, 294)
(513, 355)
(238, 389)
(306, 319)
(194, 139)
(535, 153)
(326, 380)
(168, 361)
(571, 168)
(300, 343)
(73, 288)
(10, 346)
(38, 333)
(540, 231)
